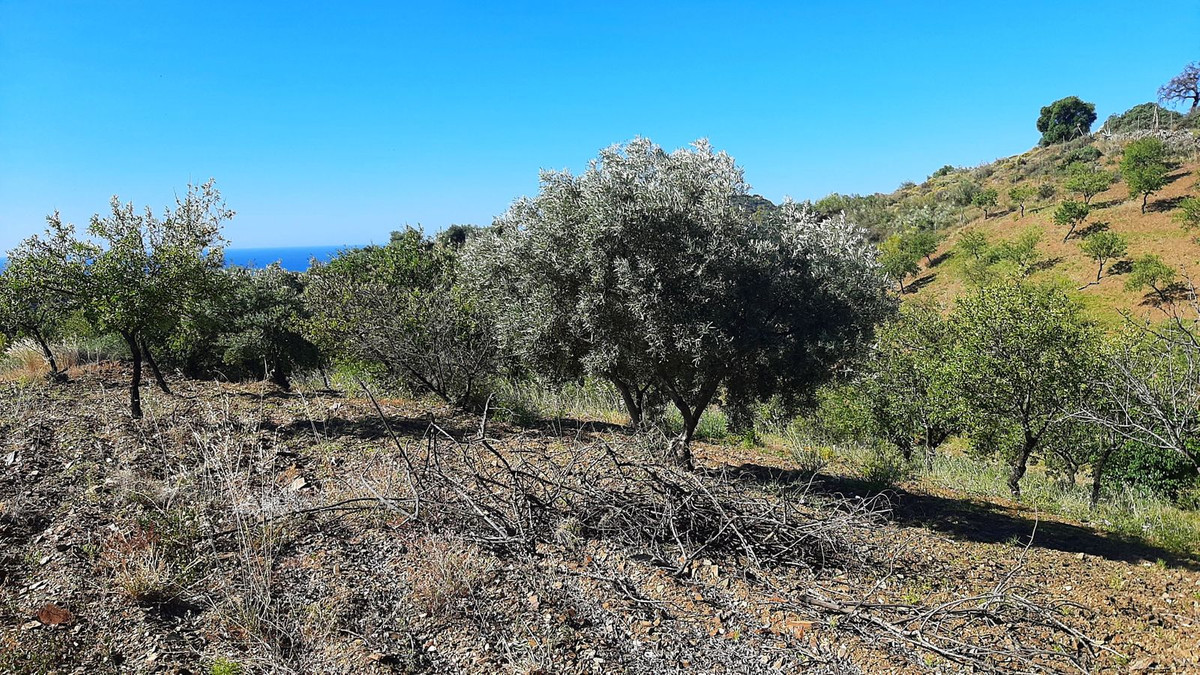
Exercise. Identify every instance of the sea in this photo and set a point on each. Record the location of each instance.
(292, 258)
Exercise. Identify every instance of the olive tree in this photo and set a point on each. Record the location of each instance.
(1021, 355)
(399, 309)
(644, 271)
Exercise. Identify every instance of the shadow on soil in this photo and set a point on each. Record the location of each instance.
(975, 520)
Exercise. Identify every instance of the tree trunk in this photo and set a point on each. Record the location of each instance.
(1098, 474)
(633, 404)
(135, 380)
(1099, 272)
(1022, 210)
(1145, 196)
(158, 376)
(56, 375)
(680, 449)
(1018, 469)
(280, 379)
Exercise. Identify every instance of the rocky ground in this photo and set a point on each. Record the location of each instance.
(241, 529)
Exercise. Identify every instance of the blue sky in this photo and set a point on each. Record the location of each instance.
(333, 123)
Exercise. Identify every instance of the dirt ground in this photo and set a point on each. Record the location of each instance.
(241, 529)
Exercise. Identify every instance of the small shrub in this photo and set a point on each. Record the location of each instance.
(224, 666)
(138, 567)
(446, 570)
(883, 467)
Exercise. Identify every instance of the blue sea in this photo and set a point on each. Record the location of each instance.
(294, 258)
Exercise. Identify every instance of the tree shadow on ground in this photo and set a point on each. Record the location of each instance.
(1043, 265)
(367, 428)
(919, 283)
(1091, 229)
(973, 519)
(1108, 203)
(938, 259)
(1175, 293)
(1165, 204)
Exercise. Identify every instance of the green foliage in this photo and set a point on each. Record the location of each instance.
(1046, 191)
(454, 236)
(1144, 168)
(1104, 246)
(922, 243)
(1189, 213)
(897, 260)
(1150, 271)
(399, 309)
(972, 244)
(1019, 194)
(1020, 357)
(1084, 154)
(1161, 471)
(1065, 119)
(645, 271)
(985, 199)
(908, 385)
(946, 170)
(868, 211)
(138, 274)
(1020, 252)
(263, 316)
(1071, 214)
(31, 304)
(1142, 117)
(962, 193)
(1087, 180)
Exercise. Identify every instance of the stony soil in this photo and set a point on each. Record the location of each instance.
(218, 535)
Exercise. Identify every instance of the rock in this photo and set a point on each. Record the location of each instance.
(53, 615)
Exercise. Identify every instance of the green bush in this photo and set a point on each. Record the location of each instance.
(1162, 472)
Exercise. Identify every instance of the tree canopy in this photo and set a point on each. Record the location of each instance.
(1065, 119)
(644, 271)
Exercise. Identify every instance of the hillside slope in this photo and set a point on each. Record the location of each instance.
(1064, 263)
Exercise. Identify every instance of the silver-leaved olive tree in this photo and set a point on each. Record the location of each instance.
(648, 271)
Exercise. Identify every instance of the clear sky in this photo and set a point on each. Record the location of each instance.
(333, 123)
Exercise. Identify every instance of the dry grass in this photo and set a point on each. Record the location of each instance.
(1154, 232)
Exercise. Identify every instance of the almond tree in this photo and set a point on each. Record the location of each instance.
(1021, 356)
(1144, 168)
(1071, 214)
(644, 271)
(1087, 180)
(33, 297)
(1102, 247)
(137, 272)
(1183, 88)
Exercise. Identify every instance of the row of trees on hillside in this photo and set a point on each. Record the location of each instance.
(1019, 370)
